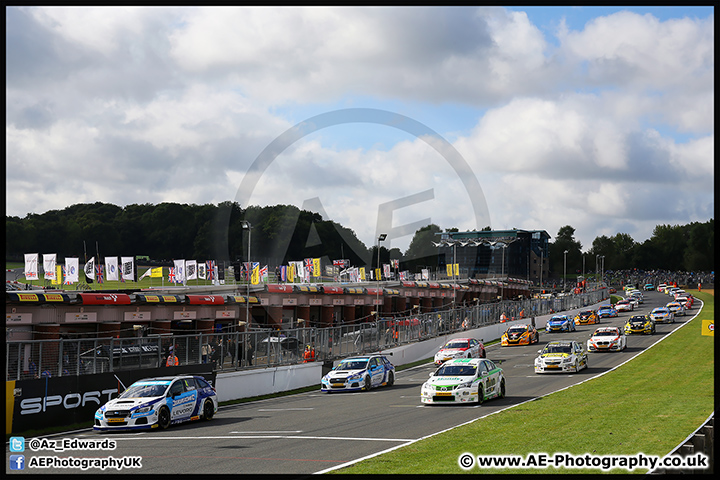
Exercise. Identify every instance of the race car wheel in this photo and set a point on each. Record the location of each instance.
(390, 379)
(483, 354)
(367, 384)
(481, 394)
(208, 410)
(502, 389)
(164, 418)
(577, 365)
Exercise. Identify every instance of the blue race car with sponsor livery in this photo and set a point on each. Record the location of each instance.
(158, 403)
(560, 323)
(607, 311)
(359, 373)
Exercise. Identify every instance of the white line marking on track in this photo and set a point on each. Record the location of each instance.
(279, 432)
(292, 437)
(284, 409)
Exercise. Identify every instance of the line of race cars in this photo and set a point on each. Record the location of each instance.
(463, 373)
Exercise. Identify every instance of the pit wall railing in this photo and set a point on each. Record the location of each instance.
(258, 347)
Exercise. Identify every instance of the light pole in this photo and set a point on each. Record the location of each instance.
(597, 282)
(564, 268)
(502, 271)
(380, 238)
(247, 226)
(453, 274)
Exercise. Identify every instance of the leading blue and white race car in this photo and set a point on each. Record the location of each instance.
(359, 373)
(158, 403)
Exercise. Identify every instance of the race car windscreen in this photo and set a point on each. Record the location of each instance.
(456, 345)
(352, 365)
(605, 333)
(517, 329)
(455, 371)
(135, 391)
(557, 349)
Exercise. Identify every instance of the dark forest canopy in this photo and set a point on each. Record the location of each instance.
(283, 233)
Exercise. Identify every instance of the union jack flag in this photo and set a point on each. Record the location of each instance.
(210, 267)
(309, 266)
(99, 274)
(171, 275)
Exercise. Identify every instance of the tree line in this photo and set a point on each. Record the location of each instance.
(283, 233)
(686, 248)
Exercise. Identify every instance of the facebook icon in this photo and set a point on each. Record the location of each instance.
(17, 462)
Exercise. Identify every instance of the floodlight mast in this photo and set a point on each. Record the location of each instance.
(381, 238)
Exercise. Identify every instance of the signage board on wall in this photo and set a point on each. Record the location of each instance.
(80, 317)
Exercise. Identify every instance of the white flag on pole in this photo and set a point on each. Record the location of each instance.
(146, 274)
(111, 269)
(72, 270)
(128, 268)
(191, 269)
(179, 271)
(49, 263)
(31, 266)
(90, 269)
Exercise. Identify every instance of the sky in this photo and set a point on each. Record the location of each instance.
(381, 119)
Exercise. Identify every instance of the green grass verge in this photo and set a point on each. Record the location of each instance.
(649, 405)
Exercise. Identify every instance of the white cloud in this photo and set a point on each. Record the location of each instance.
(612, 127)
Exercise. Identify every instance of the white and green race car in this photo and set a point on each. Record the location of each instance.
(464, 380)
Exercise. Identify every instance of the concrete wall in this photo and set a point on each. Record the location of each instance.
(251, 383)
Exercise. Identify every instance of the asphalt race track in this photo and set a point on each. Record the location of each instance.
(313, 432)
